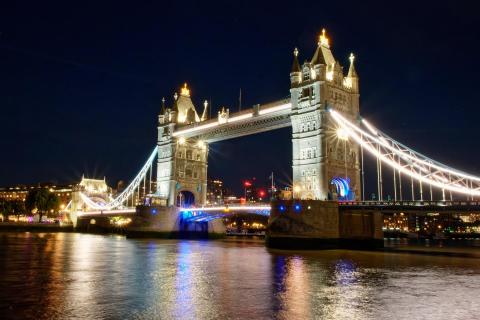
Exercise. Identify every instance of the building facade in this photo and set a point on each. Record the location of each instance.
(20, 192)
(326, 164)
(182, 163)
(215, 192)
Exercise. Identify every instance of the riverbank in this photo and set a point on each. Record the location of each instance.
(34, 227)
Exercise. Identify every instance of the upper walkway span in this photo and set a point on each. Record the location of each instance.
(260, 118)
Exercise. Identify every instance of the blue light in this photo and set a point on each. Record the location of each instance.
(298, 207)
(342, 186)
(154, 211)
(186, 214)
(281, 208)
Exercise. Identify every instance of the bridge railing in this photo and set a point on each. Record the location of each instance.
(410, 203)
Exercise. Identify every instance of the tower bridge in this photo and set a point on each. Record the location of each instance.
(329, 139)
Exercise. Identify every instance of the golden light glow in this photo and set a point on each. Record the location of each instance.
(324, 41)
(185, 91)
(201, 144)
(351, 58)
(342, 134)
(181, 140)
(347, 82)
(297, 188)
(329, 75)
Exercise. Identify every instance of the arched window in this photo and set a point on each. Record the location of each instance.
(189, 154)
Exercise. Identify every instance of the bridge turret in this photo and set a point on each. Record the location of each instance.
(174, 112)
(205, 111)
(351, 80)
(296, 73)
(165, 113)
(186, 112)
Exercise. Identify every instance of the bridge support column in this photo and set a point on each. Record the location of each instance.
(311, 224)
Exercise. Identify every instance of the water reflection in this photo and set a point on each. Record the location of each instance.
(63, 276)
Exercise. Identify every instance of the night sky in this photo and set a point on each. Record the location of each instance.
(81, 82)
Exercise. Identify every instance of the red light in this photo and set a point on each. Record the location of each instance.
(261, 193)
(247, 184)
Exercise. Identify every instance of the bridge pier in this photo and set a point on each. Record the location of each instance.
(168, 222)
(314, 224)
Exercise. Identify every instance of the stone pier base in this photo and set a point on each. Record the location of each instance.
(311, 224)
(167, 222)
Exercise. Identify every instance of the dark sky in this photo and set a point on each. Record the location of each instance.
(81, 82)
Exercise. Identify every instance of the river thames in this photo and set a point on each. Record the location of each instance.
(83, 276)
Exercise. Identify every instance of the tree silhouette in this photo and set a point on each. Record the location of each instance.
(43, 200)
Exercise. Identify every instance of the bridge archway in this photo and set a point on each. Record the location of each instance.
(185, 199)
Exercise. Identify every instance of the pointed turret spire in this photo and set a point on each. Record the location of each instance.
(175, 103)
(163, 105)
(323, 40)
(352, 73)
(318, 57)
(204, 114)
(185, 91)
(295, 65)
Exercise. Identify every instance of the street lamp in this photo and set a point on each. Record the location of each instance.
(296, 190)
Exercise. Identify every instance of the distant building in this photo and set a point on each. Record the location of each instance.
(250, 190)
(285, 193)
(63, 191)
(19, 192)
(215, 191)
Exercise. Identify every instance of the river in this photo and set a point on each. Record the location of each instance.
(83, 276)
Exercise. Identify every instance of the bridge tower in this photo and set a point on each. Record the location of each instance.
(182, 163)
(325, 163)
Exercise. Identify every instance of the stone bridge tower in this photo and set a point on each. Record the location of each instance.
(182, 163)
(325, 163)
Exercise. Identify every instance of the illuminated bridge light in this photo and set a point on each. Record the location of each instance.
(407, 161)
(298, 207)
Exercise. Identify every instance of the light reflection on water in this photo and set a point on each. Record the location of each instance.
(63, 276)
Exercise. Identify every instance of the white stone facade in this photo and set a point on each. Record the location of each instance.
(182, 163)
(318, 154)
